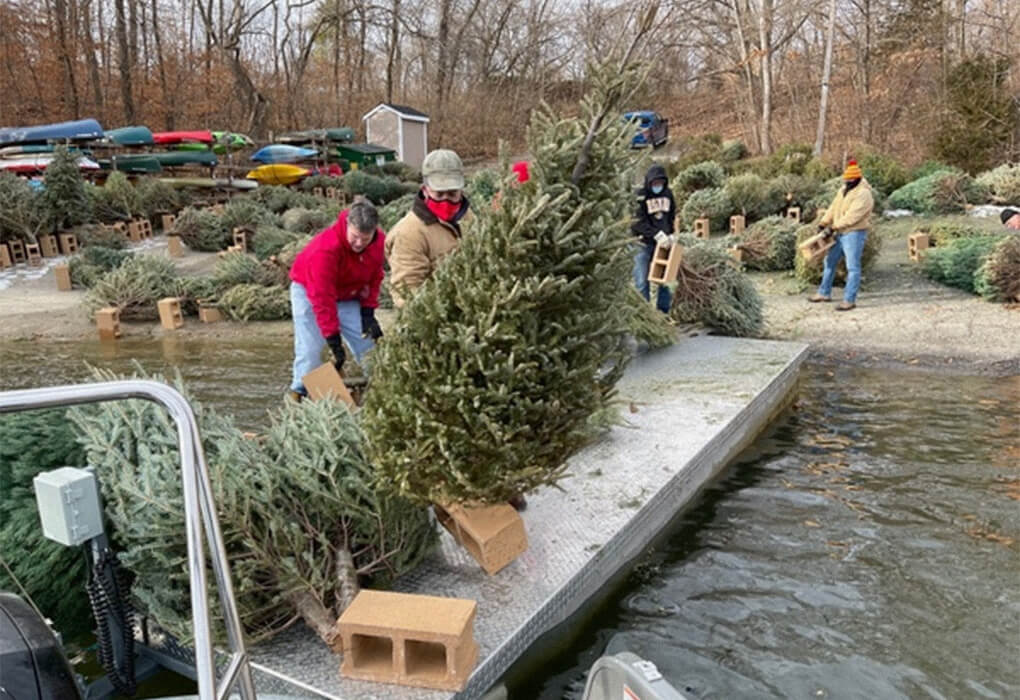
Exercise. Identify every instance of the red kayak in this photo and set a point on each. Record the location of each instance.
(167, 138)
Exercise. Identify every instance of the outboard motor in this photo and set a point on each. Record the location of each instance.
(32, 662)
(626, 675)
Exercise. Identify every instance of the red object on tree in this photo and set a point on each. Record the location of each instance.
(521, 168)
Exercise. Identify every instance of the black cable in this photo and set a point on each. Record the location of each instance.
(109, 594)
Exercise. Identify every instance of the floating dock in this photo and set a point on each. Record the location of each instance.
(687, 412)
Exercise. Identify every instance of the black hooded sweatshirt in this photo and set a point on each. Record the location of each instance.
(655, 212)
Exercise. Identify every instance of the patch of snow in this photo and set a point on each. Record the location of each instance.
(896, 213)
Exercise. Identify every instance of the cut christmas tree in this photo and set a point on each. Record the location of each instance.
(485, 385)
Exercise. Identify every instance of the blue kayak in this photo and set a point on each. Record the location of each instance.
(81, 130)
(282, 153)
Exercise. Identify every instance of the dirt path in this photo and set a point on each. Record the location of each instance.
(901, 318)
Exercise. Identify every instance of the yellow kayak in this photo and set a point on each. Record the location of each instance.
(278, 174)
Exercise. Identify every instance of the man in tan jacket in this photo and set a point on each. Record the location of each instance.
(431, 230)
(849, 216)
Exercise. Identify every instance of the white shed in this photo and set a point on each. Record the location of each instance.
(401, 128)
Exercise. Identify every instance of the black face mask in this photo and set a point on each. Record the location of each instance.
(850, 184)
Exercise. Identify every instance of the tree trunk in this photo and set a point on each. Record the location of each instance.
(823, 105)
(124, 59)
(60, 10)
(157, 39)
(765, 46)
(391, 49)
(745, 61)
(93, 63)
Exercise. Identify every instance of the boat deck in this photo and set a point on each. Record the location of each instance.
(688, 410)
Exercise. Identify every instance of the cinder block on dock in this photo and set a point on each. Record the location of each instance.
(68, 243)
(34, 254)
(63, 275)
(793, 213)
(170, 316)
(48, 246)
(174, 246)
(209, 314)
(737, 224)
(167, 221)
(494, 535)
(665, 264)
(817, 246)
(325, 382)
(5, 257)
(917, 243)
(702, 227)
(17, 251)
(108, 322)
(416, 640)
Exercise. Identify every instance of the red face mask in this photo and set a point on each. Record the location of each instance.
(444, 209)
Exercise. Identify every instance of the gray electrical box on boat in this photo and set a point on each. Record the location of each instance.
(68, 502)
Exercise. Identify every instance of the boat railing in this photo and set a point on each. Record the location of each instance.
(199, 516)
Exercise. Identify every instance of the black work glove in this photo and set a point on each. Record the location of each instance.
(337, 346)
(369, 326)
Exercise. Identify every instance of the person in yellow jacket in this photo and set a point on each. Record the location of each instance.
(849, 217)
(432, 229)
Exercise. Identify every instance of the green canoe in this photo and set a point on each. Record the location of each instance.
(130, 136)
(132, 163)
(176, 159)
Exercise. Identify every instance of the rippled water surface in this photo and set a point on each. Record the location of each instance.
(868, 547)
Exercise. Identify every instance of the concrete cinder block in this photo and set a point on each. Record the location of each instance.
(737, 224)
(318, 192)
(241, 238)
(63, 275)
(325, 382)
(737, 254)
(108, 322)
(815, 247)
(139, 229)
(167, 221)
(49, 246)
(170, 316)
(174, 246)
(665, 264)
(793, 213)
(917, 243)
(209, 314)
(494, 535)
(702, 227)
(5, 257)
(34, 254)
(416, 640)
(145, 227)
(68, 243)
(17, 251)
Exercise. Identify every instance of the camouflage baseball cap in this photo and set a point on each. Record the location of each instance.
(442, 170)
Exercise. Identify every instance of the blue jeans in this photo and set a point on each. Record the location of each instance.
(642, 261)
(308, 340)
(850, 244)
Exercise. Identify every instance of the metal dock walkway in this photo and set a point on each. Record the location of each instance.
(689, 410)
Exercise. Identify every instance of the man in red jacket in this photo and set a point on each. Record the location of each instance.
(334, 291)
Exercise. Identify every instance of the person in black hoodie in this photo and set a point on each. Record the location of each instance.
(653, 225)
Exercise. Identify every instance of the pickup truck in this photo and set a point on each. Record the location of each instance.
(653, 130)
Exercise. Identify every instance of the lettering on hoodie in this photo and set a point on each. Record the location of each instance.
(657, 207)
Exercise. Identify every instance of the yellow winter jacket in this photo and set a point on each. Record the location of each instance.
(414, 248)
(850, 211)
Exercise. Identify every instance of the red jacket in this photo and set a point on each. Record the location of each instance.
(330, 271)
